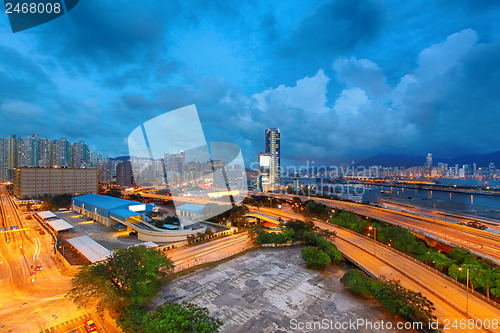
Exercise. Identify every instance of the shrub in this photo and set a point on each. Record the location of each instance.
(315, 258)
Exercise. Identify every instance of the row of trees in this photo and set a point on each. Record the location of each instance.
(200, 236)
(484, 276)
(125, 282)
(394, 297)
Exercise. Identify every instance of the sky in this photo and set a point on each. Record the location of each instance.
(343, 79)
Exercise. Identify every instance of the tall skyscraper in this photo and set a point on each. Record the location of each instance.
(80, 155)
(62, 153)
(12, 156)
(29, 151)
(4, 156)
(273, 149)
(174, 165)
(46, 153)
(124, 174)
(428, 160)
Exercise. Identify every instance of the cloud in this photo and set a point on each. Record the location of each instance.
(361, 73)
(337, 26)
(309, 94)
(342, 79)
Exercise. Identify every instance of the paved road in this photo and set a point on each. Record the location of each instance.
(30, 302)
(483, 243)
(189, 256)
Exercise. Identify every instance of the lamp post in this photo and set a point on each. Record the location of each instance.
(374, 238)
(467, 304)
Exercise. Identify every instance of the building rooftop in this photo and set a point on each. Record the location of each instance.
(122, 214)
(195, 209)
(89, 248)
(59, 225)
(105, 201)
(45, 215)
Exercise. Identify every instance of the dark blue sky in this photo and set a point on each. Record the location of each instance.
(342, 79)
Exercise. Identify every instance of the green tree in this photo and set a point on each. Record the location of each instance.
(408, 303)
(237, 215)
(350, 221)
(130, 318)
(458, 254)
(438, 259)
(179, 318)
(130, 275)
(329, 248)
(317, 209)
(114, 192)
(315, 258)
(360, 283)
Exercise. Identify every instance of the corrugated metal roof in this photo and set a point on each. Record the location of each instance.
(89, 248)
(196, 209)
(46, 215)
(59, 224)
(104, 201)
(122, 214)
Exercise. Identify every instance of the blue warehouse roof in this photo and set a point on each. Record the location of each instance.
(195, 209)
(110, 206)
(104, 201)
(122, 214)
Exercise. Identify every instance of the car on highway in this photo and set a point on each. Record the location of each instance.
(90, 326)
(39, 268)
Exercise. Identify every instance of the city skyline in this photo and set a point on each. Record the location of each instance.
(377, 82)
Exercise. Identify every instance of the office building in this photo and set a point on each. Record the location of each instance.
(273, 149)
(269, 162)
(428, 160)
(35, 182)
(264, 169)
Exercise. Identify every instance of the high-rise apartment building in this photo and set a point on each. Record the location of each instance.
(12, 156)
(36, 152)
(174, 165)
(80, 155)
(63, 153)
(3, 160)
(46, 153)
(273, 149)
(29, 151)
(124, 174)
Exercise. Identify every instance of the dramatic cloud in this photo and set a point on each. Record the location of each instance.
(342, 79)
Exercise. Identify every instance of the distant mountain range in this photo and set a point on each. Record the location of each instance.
(393, 160)
(121, 158)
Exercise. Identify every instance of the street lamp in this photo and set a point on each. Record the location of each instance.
(467, 304)
(374, 237)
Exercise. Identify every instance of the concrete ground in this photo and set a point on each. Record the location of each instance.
(271, 290)
(106, 236)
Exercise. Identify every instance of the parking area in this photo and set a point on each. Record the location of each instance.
(82, 226)
(268, 289)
